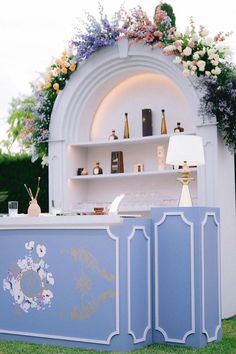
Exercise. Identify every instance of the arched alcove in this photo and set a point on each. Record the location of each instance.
(76, 106)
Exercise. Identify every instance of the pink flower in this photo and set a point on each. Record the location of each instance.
(160, 15)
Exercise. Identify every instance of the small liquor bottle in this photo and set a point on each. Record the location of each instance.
(97, 170)
(126, 127)
(113, 135)
(163, 123)
(178, 128)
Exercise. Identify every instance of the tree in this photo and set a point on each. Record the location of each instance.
(21, 114)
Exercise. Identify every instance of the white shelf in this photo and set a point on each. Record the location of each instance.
(129, 174)
(143, 140)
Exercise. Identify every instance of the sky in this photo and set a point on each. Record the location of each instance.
(32, 33)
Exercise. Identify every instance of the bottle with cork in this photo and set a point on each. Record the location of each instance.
(126, 127)
(163, 123)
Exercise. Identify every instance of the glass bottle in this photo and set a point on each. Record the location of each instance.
(97, 170)
(178, 128)
(126, 127)
(163, 123)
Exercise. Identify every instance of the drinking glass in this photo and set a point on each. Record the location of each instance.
(12, 208)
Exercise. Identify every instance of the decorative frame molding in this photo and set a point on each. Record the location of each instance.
(218, 327)
(148, 327)
(157, 327)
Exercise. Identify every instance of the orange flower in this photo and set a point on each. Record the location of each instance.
(64, 70)
(56, 86)
(72, 67)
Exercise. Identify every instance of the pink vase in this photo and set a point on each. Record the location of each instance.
(34, 208)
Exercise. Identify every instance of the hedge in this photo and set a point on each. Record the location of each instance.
(17, 170)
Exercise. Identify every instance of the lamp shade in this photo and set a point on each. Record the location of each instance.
(185, 149)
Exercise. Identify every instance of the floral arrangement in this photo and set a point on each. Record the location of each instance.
(199, 54)
(35, 269)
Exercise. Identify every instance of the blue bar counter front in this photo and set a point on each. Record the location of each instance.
(114, 287)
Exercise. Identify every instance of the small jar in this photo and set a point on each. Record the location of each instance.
(97, 170)
(178, 128)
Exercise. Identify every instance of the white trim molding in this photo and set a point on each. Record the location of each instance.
(156, 285)
(218, 327)
(148, 326)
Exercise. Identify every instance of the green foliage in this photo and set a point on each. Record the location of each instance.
(226, 346)
(15, 171)
(170, 12)
(21, 110)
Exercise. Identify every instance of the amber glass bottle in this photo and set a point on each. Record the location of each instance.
(163, 123)
(126, 127)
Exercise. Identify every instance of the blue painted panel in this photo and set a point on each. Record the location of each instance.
(83, 297)
(211, 296)
(139, 283)
(173, 289)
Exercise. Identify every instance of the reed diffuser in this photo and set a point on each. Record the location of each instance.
(33, 209)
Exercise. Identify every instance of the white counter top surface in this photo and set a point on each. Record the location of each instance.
(58, 222)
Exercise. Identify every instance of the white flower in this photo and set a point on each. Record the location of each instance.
(208, 41)
(193, 68)
(169, 48)
(202, 52)
(187, 51)
(29, 245)
(207, 73)
(216, 71)
(196, 56)
(214, 62)
(177, 60)
(195, 37)
(41, 250)
(201, 64)
(47, 295)
(213, 56)
(211, 51)
(50, 279)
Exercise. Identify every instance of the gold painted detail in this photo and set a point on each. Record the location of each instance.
(87, 258)
(87, 311)
(83, 283)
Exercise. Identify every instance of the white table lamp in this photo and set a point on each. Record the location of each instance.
(185, 151)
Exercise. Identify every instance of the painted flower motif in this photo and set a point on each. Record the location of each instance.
(12, 282)
(47, 295)
(41, 250)
(29, 245)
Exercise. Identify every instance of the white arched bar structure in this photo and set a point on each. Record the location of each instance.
(122, 79)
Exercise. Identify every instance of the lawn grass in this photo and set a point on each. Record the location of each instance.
(226, 346)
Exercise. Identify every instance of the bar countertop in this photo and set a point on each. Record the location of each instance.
(46, 221)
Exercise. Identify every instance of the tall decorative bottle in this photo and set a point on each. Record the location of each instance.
(163, 123)
(126, 127)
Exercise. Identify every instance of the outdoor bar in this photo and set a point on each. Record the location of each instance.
(112, 283)
(121, 261)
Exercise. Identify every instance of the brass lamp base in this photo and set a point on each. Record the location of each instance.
(185, 198)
